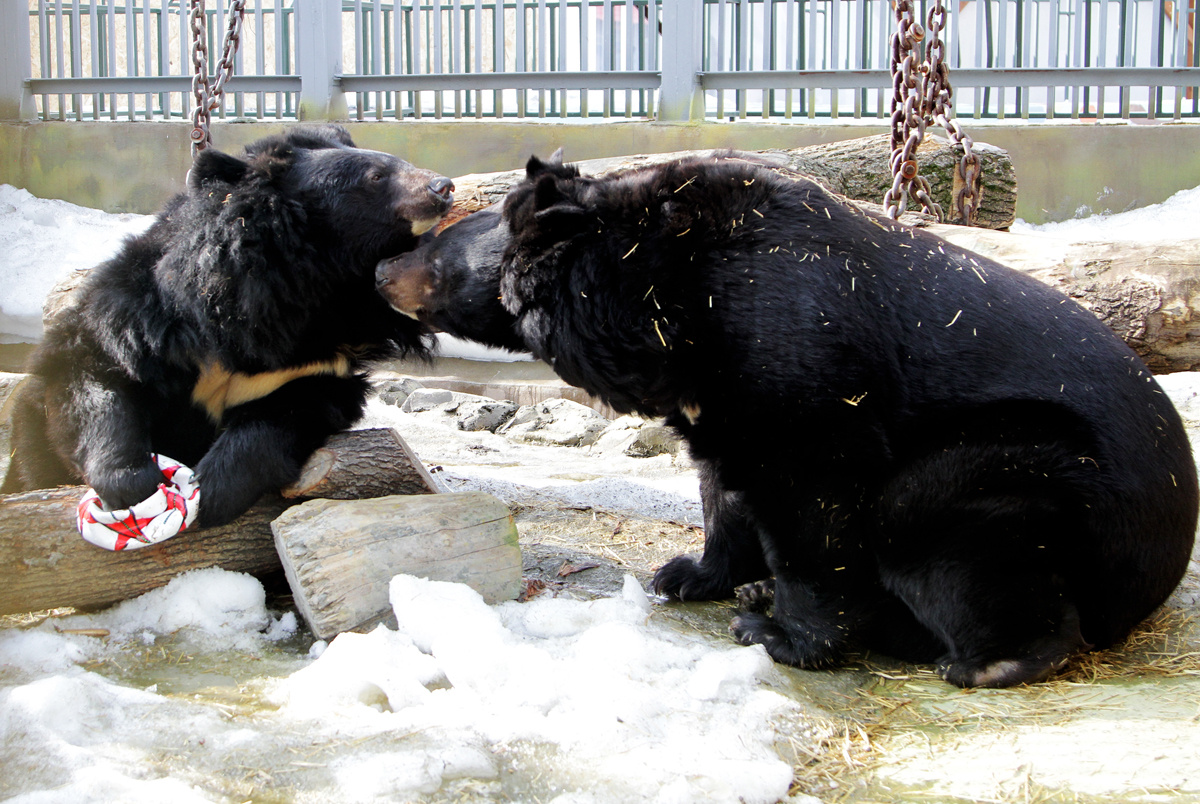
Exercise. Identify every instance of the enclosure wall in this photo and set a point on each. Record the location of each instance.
(134, 167)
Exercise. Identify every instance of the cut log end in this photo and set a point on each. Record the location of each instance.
(340, 555)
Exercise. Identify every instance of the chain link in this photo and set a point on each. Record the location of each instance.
(209, 95)
(921, 95)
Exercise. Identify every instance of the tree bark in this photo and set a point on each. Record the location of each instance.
(361, 464)
(1147, 293)
(45, 563)
(858, 169)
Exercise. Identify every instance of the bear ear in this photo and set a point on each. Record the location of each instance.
(213, 166)
(554, 166)
(556, 213)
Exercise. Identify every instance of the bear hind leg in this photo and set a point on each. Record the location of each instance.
(974, 541)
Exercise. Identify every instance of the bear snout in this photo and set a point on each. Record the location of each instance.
(442, 188)
(406, 285)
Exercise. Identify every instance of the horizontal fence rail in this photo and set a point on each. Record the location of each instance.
(637, 59)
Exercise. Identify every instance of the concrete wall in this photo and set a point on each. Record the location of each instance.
(134, 167)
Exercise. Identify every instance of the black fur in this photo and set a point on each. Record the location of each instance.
(934, 456)
(265, 265)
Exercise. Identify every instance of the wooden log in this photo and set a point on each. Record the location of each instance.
(858, 169)
(45, 563)
(340, 555)
(361, 464)
(1148, 293)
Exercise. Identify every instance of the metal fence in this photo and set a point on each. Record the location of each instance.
(639, 59)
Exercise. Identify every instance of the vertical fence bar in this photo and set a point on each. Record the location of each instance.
(834, 53)
(629, 32)
(318, 25)
(76, 57)
(680, 98)
(16, 64)
(499, 59)
(439, 96)
(562, 53)
(44, 55)
(519, 53)
(1180, 55)
(541, 48)
(60, 56)
(97, 64)
(812, 55)
(456, 54)
(1102, 56)
(378, 26)
(147, 57)
(585, 14)
(1004, 57)
(1077, 91)
(1154, 98)
(606, 51)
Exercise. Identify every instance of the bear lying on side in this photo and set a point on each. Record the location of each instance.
(934, 456)
(231, 334)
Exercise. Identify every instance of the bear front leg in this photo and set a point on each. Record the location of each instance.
(264, 443)
(810, 627)
(111, 433)
(825, 588)
(732, 550)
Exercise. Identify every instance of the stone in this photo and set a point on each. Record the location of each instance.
(396, 392)
(484, 414)
(555, 422)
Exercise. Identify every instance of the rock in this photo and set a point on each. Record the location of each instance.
(485, 414)
(396, 392)
(422, 400)
(469, 411)
(555, 422)
(638, 438)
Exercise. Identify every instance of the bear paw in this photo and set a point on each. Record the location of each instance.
(757, 597)
(685, 578)
(803, 648)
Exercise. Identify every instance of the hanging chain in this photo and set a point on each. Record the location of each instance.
(921, 95)
(210, 95)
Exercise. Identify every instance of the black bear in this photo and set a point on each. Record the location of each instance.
(231, 335)
(933, 455)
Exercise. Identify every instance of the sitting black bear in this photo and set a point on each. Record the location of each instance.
(933, 455)
(231, 334)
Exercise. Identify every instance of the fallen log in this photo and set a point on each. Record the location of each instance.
(44, 563)
(858, 169)
(1147, 293)
(361, 464)
(340, 555)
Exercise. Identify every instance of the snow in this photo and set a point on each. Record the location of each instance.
(1173, 219)
(42, 242)
(197, 692)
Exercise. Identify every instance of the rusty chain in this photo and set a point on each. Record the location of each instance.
(921, 95)
(209, 94)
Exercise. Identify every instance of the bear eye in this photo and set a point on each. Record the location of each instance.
(374, 177)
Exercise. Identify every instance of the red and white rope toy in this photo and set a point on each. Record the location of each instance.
(163, 514)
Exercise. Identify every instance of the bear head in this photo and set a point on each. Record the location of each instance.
(451, 282)
(361, 205)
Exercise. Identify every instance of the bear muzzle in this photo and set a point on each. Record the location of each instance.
(405, 284)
